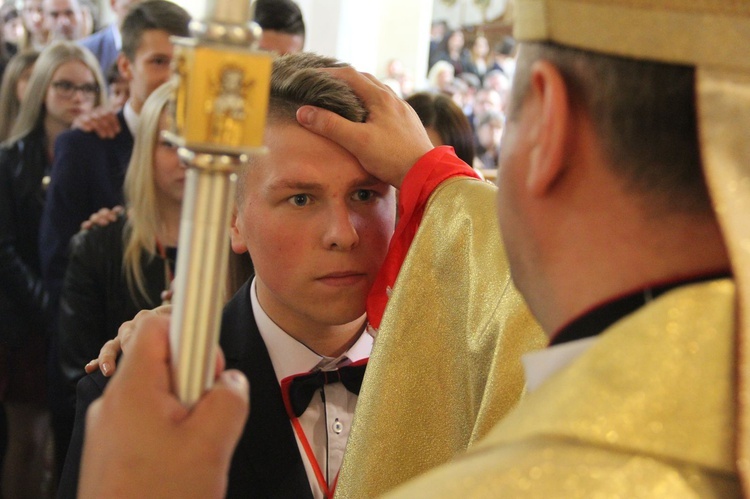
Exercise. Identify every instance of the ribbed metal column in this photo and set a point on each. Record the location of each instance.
(218, 120)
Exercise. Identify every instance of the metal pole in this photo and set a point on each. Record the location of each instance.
(218, 115)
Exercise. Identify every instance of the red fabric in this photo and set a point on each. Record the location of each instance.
(420, 182)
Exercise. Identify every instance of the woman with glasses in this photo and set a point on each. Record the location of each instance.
(65, 82)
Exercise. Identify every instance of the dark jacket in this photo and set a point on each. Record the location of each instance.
(23, 301)
(266, 462)
(87, 174)
(96, 298)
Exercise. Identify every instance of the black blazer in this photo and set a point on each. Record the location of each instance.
(87, 174)
(24, 306)
(96, 298)
(267, 462)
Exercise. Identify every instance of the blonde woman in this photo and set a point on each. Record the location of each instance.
(66, 81)
(119, 269)
(15, 79)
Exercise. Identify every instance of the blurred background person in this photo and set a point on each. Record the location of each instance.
(398, 78)
(64, 83)
(486, 100)
(283, 26)
(438, 29)
(118, 88)
(489, 134)
(453, 50)
(498, 81)
(15, 79)
(472, 86)
(32, 15)
(89, 19)
(13, 34)
(63, 19)
(505, 56)
(445, 123)
(479, 57)
(440, 77)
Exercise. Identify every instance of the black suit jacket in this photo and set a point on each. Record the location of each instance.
(267, 462)
(87, 174)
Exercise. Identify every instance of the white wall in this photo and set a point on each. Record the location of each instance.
(364, 33)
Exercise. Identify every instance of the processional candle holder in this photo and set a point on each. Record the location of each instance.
(218, 118)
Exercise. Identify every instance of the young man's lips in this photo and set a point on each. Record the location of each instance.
(341, 278)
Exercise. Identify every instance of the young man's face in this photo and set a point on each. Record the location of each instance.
(317, 227)
(150, 66)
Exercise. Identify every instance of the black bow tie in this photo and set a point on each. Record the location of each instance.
(302, 388)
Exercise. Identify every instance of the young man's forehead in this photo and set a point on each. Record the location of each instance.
(154, 40)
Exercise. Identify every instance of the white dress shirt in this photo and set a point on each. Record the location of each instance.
(542, 364)
(131, 117)
(326, 425)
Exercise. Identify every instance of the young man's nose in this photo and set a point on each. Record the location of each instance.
(341, 232)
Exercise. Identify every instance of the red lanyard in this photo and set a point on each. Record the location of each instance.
(327, 493)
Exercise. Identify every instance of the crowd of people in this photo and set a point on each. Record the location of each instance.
(381, 335)
(477, 79)
(72, 101)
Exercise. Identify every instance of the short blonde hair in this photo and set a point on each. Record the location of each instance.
(295, 82)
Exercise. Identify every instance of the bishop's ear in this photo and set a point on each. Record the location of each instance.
(550, 109)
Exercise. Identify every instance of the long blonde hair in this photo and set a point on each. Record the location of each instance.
(52, 57)
(144, 217)
(9, 103)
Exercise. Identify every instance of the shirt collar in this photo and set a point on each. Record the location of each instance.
(540, 365)
(289, 356)
(117, 37)
(603, 315)
(131, 117)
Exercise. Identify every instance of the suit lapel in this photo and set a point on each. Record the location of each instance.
(267, 462)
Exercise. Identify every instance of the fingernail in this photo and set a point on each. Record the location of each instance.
(105, 368)
(235, 379)
(305, 115)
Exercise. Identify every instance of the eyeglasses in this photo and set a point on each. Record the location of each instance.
(66, 89)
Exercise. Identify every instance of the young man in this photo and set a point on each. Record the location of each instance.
(309, 208)
(88, 171)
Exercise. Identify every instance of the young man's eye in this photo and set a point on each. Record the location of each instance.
(363, 195)
(300, 200)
